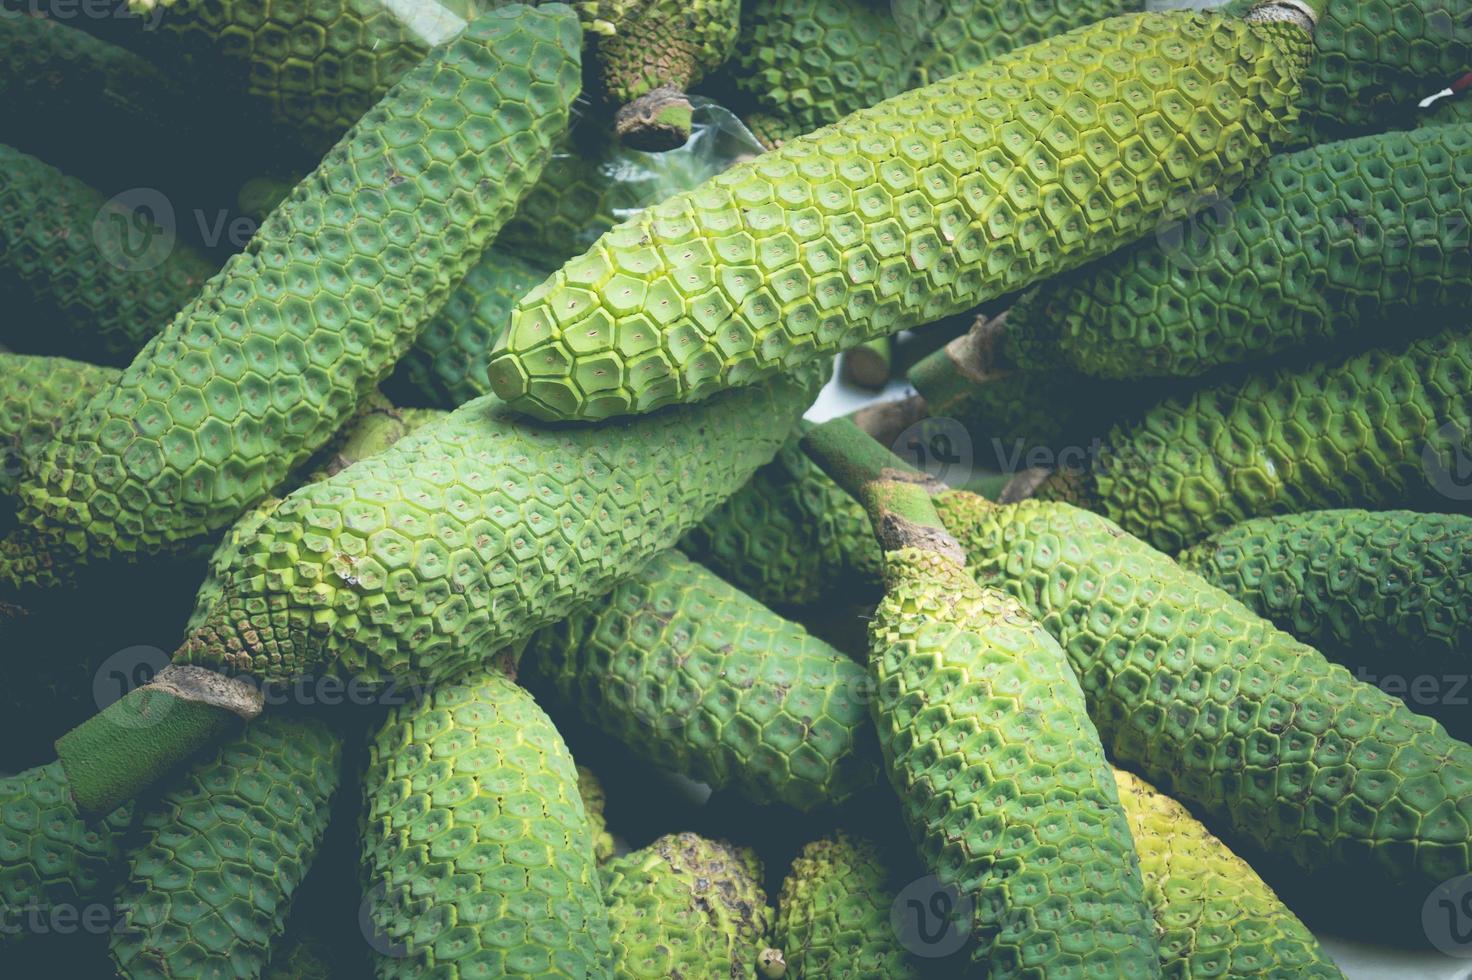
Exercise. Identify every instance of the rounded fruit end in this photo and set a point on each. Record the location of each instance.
(657, 121)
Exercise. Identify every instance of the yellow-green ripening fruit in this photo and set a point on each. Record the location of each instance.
(316, 68)
(1383, 429)
(1375, 61)
(372, 432)
(694, 676)
(1214, 916)
(222, 851)
(790, 537)
(51, 858)
(590, 790)
(1001, 777)
(906, 212)
(270, 359)
(464, 538)
(1228, 714)
(833, 916)
(686, 907)
(955, 35)
(1327, 244)
(80, 275)
(809, 63)
(477, 854)
(1379, 590)
(447, 366)
(36, 396)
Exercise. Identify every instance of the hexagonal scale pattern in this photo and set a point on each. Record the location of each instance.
(1326, 242)
(270, 359)
(665, 43)
(50, 856)
(1215, 916)
(420, 562)
(833, 914)
(1378, 590)
(70, 273)
(1382, 429)
(1001, 777)
(476, 849)
(36, 395)
(916, 208)
(790, 537)
(223, 850)
(694, 676)
(686, 908)
(1227, 713)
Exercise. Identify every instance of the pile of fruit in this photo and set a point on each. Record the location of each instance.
(402, 401)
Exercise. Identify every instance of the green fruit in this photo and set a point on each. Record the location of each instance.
(833, 916)
(808, 63)
(274, 354)
(464, 538)
(686, 908)
(1375, 61)
(590, 790)
(957, 35)
(694, 676)
(1226, 713)
(1326, 244)
(36, 396)
(223, 851)
(447, 365)
(1214, 915)
(1378, 590)
(477, 851)
(71, 271)
(856, 233)
(1380, 429)
(51, 859)
(790, 537)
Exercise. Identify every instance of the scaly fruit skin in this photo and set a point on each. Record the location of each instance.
(790, 537)
(1380, 429)
(224, 849)
(50, 857)
(856, 232)
(1326, 243)
(36, 395)
(1001, 777)
(1372, 589)
(1227, 713)
(472, 533)
(447, 366)
(275, 353)
(71, 269)
(660, 43)
(697, 677)
(1375, 61)
(808, 63)
(686, 908)
(957, 35)
(590, 791)
(1215, 916)
(316, 68)
(477, 854)
(833, 914)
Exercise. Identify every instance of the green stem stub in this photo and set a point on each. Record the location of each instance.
(145, 735)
